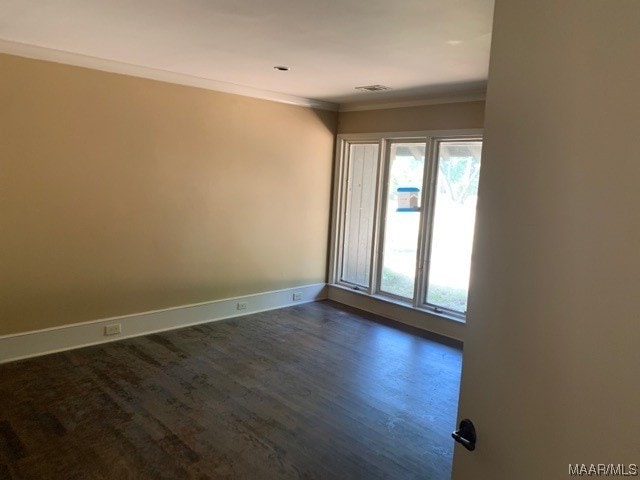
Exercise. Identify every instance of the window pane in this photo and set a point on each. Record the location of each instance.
(359, 213)
(453, 224)
(402, 224)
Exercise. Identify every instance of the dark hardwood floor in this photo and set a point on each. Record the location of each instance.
(313, 391)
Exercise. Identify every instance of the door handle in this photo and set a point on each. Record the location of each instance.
(466, 435)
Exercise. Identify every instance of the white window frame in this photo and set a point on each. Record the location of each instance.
(341, 184)
(431, 139)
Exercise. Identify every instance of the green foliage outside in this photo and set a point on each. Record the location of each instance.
(459, 177)
(406, 172)
(442, 296)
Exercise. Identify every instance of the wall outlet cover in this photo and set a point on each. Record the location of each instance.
(114, 329)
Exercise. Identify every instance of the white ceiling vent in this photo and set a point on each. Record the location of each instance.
(373, 88)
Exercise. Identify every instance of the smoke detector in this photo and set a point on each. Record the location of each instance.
(373, 88)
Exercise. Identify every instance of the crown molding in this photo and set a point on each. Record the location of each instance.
(78, 60)
(452, 98)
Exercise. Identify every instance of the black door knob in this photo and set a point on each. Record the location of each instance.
(466, 434)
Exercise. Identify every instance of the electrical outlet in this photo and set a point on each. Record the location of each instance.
(242, 305)
(114, 329)
(297, 296)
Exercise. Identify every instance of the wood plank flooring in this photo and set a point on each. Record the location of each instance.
(313, 391)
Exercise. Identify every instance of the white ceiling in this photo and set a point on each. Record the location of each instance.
(419, 48)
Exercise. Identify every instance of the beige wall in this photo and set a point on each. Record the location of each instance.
(429, 117)
(551, 355)
(121, 195)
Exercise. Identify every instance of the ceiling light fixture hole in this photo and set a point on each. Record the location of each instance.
(373, 88)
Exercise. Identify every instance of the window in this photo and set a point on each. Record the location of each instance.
(360, 187)
(404, 217)
(401, 226)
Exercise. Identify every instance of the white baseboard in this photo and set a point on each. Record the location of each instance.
(67, 337)
(445, 327)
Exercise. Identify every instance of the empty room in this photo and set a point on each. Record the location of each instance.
(294, 239)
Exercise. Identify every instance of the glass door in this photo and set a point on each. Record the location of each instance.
(453, 223)
(402, 215)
